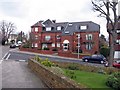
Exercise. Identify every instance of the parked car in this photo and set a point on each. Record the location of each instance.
(95, 58)
(19, 43)
(12, 46)
(116, 64)
(16, 45)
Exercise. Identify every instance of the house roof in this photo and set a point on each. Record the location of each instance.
(68, 28)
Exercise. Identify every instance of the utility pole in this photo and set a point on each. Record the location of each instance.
(78, 44)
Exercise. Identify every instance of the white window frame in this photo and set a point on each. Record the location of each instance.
(89, 46)
(67, 32)
(59, 28)
(47, 38)
(58, 36)
(118, 31)
(36, 44)
(83, 27)
(36, 36)
(118, 41)
(44, 46)
(48, 28)
(89, 37)
(53, 44)
(70, 24)
(36, 29)
(58, 44)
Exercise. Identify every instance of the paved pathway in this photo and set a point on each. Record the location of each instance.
(16, 74)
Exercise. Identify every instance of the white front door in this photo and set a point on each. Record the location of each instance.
(65, 45)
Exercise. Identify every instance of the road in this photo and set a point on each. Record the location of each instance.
(16, 74)
(24, 56)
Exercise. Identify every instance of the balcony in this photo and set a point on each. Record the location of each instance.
(58, 40)
(117, 47)
(47, 41)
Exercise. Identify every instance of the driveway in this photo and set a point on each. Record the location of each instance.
(16, 74)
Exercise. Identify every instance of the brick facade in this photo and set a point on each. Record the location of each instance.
(63, 37)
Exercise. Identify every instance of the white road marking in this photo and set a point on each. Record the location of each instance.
(5, 55)
(22, 60)
(1, 61)
(8, 56)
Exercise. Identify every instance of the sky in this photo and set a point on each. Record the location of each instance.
(25, 13)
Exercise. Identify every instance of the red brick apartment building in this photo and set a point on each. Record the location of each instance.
(64, 37)
(117, 44)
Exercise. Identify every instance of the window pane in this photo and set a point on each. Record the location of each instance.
(59, 28)
(36, 29)
(47, 38)
(48, 28)
(58, 44)
(36, 45)
(53, 44)
(83, 27)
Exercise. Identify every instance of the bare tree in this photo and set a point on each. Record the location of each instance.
(108, 10)
(7, 28)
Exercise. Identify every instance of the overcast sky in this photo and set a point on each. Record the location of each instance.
(25, 13)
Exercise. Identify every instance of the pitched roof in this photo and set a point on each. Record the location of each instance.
(68, 28)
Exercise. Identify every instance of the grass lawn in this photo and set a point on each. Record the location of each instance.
(89, 79)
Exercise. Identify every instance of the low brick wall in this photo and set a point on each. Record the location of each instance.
(53, 80)
(37, 51)
(71, 55)
(60, 53)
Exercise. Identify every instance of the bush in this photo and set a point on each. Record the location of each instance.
(71, 74)
(37, 58)
(54, 49)
(26, 46)
(47, 63)
(73, 66)
(104, 51)
(46, 49)
(114, 81)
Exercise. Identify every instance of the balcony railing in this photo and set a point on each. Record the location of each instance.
(47, 41)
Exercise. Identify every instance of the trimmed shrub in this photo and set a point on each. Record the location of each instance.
(47, 63)
(46, 49)
(114, 81)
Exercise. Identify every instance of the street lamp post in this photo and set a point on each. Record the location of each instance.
(78, 45)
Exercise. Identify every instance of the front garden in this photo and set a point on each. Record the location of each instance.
(88, 76)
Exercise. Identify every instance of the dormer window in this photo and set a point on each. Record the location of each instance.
(48, 28)
(59, 28)
(70, 24)
(67, 32)
(83, 27)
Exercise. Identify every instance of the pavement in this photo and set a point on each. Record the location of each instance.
(16, 74)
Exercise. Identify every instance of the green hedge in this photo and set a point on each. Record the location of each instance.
(114, 81)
